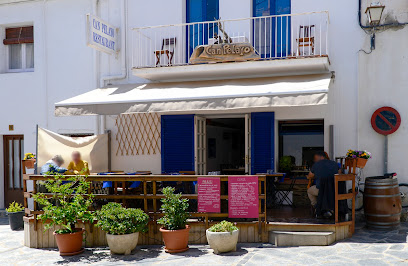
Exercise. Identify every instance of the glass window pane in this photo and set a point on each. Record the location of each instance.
(15, 61)
(30, 55)
(17, 164)
(10, 164)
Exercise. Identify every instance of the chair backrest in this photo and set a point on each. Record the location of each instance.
(306, 31)
(169, 42)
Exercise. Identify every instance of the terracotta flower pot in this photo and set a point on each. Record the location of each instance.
(70, 244)
(361, 162)
(29, 163)
(175, 241)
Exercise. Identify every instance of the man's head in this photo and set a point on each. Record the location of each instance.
(319, 155)
(58, 160)
(76, 156)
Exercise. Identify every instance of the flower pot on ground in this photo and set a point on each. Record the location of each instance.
(15, 213)
(175, 230)
(69, 204)
(223, 237)
(122, 226)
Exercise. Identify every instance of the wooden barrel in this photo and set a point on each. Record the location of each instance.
(382, 202)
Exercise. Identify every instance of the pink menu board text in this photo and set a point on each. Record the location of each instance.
(243, 197)
(209, 191)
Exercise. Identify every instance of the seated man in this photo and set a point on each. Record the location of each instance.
(77, 166)
(53, 166)
(323, 168)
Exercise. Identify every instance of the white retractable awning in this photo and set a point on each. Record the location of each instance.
(199, 96)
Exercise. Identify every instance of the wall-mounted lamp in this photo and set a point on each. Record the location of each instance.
(374, 13)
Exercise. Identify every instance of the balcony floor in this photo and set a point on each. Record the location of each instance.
(231, 70)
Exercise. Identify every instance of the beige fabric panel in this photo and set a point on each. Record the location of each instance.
(94, 149)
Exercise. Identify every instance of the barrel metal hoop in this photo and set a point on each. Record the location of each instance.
(381, 196)
(379, 223)
(383, 215)
(380, 187)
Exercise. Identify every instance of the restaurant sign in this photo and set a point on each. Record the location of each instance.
(101, 35)
(224, 52)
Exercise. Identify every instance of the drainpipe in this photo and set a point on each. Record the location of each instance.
(123, 52)
(123, 33)
(95, 6)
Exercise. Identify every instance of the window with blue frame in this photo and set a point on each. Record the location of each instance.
(271, 35)
(200, 11)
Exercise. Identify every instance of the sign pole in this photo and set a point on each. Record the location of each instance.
(385, 154)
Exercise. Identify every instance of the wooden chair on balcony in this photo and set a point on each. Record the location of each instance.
(167, 48)
(306, 39)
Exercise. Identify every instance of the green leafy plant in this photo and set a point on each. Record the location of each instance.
(117, 220)
(223, 226)
(174, 209)
(67, 204)
(15, 207)
(286, 163)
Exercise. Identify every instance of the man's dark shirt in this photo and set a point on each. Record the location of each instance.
(324, 169)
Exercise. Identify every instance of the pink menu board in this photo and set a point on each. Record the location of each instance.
(243, 197)
(209, 191)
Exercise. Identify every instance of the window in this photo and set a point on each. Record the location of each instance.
(20, 44)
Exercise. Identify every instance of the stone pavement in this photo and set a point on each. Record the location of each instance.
(365, 248)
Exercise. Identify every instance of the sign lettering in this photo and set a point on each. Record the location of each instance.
(209, 191)
(225, 52)
(243, 197)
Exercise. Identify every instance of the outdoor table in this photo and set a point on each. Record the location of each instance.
(271, 180)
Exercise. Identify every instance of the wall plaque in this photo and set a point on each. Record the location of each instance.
(224, 52)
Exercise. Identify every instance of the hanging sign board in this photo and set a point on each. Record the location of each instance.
(209, 194)
(243, 197)
(224, 52)
(101, 35)
(385, 120)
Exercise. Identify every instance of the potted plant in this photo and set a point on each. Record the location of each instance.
(122, 226)
(286, 164)
(29, 160)
(15, 212)
(174, 221)
(223, 237)
(361, 157)
(68, 205)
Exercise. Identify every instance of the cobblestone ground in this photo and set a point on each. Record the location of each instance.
(365, 248)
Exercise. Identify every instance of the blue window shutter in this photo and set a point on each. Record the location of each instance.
(177, 143)
(262, 142)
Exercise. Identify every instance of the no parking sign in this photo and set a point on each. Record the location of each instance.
(385, 120)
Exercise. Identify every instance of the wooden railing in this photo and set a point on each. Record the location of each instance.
(149, 194)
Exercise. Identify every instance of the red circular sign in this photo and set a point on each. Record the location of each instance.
(386, 120)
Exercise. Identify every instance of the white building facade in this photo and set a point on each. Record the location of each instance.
(64, 66)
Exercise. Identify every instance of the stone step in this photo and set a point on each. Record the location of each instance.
(295, 239)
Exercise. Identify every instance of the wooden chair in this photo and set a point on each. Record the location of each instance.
(167, 48)
(306, 38)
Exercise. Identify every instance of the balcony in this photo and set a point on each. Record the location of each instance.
(282, 45)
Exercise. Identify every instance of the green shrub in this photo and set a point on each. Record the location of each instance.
(15, 207)
(68, 203)
(117, 220)
(223, 226)
(174, 209)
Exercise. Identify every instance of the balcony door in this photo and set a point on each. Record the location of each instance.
(13, 151)
(200, 33)
(271, 35)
